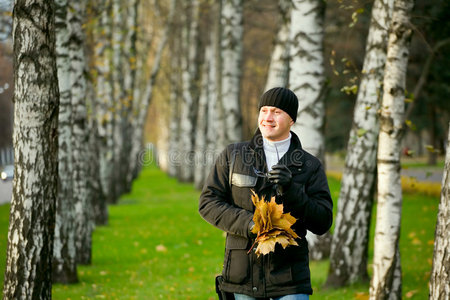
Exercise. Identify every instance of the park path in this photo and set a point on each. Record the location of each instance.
(5, 191)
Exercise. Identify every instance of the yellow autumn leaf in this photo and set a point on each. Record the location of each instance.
(272, 226)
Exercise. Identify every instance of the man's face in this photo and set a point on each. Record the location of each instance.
(274, 123)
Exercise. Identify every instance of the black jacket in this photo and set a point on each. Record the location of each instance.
(226, 203)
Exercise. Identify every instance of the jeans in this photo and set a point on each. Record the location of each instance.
(287, 297)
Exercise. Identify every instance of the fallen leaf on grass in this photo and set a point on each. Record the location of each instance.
(271, 226)
(161, 248)
(411, 293)
(362, 296)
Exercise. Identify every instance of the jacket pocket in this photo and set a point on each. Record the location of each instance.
(288, 266)
(236, 267)
(242, 180)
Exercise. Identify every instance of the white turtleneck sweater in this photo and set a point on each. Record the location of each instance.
(271, 149)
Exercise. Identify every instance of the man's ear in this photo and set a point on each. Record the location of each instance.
(292, 122)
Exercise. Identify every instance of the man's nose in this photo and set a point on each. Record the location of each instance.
(269, 116)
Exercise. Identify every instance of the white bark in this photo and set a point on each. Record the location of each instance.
(306, 77)
(130, 85)
(307, 80)
(231, 56)
(118, 76)
(214, 134)
(349, 246)
(32, 218)
(440, 273)
(104, 103)
(386, 284)
(278, 74)
(82, 195)
(202, 122)
(189, 68)
(64, 252)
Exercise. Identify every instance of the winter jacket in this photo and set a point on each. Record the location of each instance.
(226, 203)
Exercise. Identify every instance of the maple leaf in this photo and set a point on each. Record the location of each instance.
(271, 226)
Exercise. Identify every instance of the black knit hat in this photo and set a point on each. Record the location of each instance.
(282, 98)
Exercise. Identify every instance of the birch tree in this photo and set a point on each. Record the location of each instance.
(307, 80)
(104, 96)
(32, 218)
(174, 152)
(278, 74)
(349, 246)
(202, 122)
(440, 273)
(130, 84)
(189, 78)
(386, 281)
(214, 135)
(82, 195)
(118, 76)
(64, 252)
(231, 55)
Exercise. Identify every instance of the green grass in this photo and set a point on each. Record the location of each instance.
(156, 246)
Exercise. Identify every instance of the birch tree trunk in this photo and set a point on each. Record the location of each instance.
(231, 53)
(94, 36)
(307, 80)
(82, 195)
(174, 151)
(64, 252)
(202, 122)
(440, 273)
(350, 241)
(101, 104)
(36, 96)
(278, 74)
(214, 134)
(120, 73)
(386, 281)
(104, 103)
(306, 76)
(190, 43)
(129, 62)
(99, 205)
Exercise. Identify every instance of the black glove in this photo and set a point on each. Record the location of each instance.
(281, 175)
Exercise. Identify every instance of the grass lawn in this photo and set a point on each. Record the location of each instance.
(156, 246)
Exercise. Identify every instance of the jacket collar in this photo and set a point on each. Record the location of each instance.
(294, 156)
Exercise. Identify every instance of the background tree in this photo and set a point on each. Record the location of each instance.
(349, 247)
(64, 252)
(386, 281)
(307, 80)
(84, 221)
(440, 274)
(230, 68)
(189, 87)
(32, 219)
(278, 73)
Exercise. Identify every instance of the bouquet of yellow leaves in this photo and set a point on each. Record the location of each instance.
(271, 226)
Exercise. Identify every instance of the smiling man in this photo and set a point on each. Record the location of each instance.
(273, 163)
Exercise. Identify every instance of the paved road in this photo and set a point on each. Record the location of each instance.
(5, 191)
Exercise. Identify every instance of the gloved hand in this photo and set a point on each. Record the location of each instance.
(281, 175)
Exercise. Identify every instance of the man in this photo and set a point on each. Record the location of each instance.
(272, 163)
